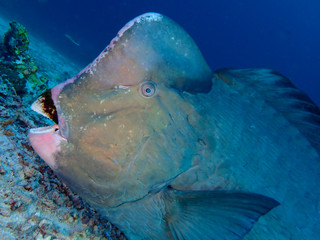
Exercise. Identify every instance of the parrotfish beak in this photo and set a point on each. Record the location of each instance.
(46, 141)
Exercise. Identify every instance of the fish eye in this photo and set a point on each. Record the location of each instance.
(148, 89)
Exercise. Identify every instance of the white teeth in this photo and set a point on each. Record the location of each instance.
(40, 107)
(42, 130)
(37, 106)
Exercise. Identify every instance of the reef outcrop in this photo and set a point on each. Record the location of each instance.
(17, 66)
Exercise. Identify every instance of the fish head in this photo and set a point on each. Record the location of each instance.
(123, 128)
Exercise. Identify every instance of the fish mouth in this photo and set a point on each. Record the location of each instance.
(45, 106)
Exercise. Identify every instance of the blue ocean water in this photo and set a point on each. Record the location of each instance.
(279, 34)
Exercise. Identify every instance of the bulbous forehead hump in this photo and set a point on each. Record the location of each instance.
(151, 47)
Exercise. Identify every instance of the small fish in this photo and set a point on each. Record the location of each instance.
(167, 149)
(72, 39)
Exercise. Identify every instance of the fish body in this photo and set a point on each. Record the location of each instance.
(166, 149)
(72, 39)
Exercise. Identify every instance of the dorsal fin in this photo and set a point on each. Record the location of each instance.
(281, 94)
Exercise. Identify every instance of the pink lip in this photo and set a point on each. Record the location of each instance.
(46, 141)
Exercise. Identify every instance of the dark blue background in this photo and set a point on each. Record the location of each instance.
(279, 34)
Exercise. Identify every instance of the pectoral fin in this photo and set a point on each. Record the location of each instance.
(213, 215)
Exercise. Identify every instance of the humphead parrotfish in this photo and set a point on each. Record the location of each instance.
(167, 149)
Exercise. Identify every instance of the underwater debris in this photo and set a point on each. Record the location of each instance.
(8, 132)
(17, 66)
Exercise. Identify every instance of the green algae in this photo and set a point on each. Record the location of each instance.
(16, 64)
(16, 40)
